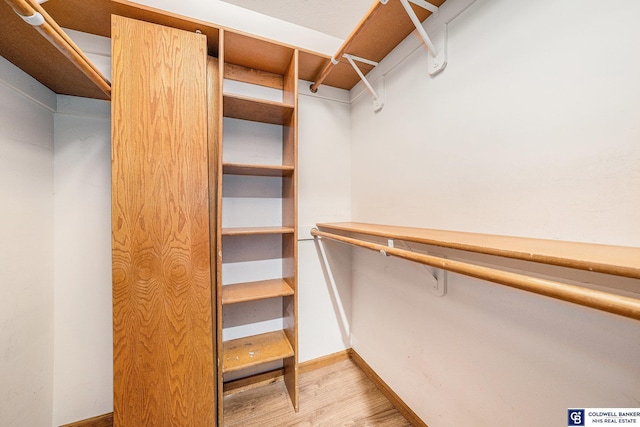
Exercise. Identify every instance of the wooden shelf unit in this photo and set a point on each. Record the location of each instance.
(24, 47)
(275, 68)
(374, 37)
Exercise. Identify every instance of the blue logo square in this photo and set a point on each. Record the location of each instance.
(575, 417)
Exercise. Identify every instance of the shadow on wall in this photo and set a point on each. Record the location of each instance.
(335, 260)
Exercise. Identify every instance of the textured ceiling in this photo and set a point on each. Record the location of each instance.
(333, 17)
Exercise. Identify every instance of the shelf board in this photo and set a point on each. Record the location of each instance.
(254, 350)
(94, 17)
(256, 170)
(38, 58)
(616, 260)
(256, 53)
(257, 110)
(22, 45)
(252, 291)
(375, 36)
(382, 33)
(249, 231)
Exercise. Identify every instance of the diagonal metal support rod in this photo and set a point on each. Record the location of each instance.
(418, 24)
(352, 59)
(425, 5)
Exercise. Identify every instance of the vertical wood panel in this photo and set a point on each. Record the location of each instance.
(214, 96)
(290, 218)
(220, 379)
(163, 349)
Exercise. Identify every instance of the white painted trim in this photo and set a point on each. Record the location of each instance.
(22, 83)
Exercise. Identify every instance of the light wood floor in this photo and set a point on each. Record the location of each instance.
(332, 396)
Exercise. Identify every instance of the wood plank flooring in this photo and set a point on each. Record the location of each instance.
(336, 395)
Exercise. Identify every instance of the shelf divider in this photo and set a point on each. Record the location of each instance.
(249, 231)
(257, 170)
(252, 291)
(256, 110)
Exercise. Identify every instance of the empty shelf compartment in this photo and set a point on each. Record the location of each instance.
(257, 110)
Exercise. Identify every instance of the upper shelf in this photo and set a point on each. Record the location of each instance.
(376, 35)
(21, 44)
(616, 260)
(24, 47)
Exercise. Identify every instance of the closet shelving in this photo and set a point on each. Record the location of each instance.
(382, 28)
(607, 259)
(251, 60)
(377, 34)
(258, 110)
(595, 258)
(275, 67)
(257, 170)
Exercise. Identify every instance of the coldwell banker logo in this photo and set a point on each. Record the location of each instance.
(576, 417)
(589, 417)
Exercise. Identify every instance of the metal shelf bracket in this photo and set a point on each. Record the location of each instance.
(436, 277)
(437, 54)
(378, 102)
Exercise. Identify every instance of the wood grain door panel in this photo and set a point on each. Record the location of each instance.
(162, 316)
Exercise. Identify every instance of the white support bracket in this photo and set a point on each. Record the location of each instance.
(378, 102)
(436, 277)
(437, 55)
(35, 20)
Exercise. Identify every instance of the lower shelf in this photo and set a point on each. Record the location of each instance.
(254, 350)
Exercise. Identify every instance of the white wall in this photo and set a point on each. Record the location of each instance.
(524, 111)
(83, 361)
(26, 249)
(324, 162)
(531, 130)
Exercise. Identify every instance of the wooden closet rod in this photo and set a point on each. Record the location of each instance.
(612, 303)
(322, 75)
(35, 15)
